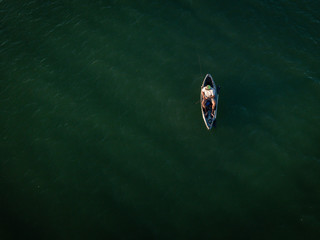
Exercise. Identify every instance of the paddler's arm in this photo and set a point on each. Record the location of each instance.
(212, 96)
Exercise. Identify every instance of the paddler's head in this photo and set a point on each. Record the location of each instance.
(208, 87)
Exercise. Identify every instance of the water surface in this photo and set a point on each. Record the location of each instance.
(101, 130)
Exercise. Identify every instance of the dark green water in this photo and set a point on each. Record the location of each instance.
(102, 135)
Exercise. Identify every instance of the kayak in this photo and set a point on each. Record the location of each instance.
(209, 120)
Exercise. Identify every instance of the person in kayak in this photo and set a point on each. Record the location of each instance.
(208, 95)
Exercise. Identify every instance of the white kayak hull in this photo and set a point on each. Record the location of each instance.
(209, 120)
